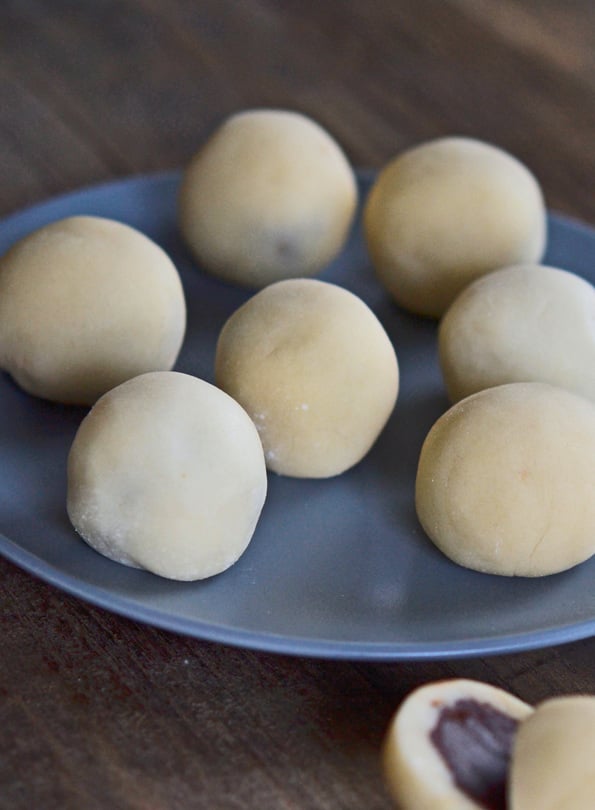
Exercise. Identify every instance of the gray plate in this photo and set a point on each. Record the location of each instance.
(337, 568)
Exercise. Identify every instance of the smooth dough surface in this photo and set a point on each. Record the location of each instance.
(86, 303)
(519, 324)
(414, 769)
(505, 480)
(269, 196)
(167, 473)
(315, 370)
(553, 764)
(446, 212)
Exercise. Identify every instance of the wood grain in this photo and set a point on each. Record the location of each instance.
(98, 711)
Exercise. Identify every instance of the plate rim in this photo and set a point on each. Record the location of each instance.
(297, 646)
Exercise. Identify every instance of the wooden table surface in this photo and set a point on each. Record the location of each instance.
(100, 712)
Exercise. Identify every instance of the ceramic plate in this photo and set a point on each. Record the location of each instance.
(337, 568)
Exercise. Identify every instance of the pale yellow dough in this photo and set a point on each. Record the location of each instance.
(86, 303)
(167, 473)
(315, 370)
(522, 323)
(446, 212)
(269, 196)
(416, 774)
(553, 764)
(505, 480)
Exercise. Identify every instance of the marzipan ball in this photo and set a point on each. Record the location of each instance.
(449, 745)
(553, 761)
(86, 303)
(167, 473)
(444, 213)
(518, 324)
(505, 480)
(314, 368)
(270, 196)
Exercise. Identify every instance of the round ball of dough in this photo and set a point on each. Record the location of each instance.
(167, 473)
(553, 763)
(86, 303)
(443, 213)
(449, 744)
(269, 196)
(523, 323)
(315, 370)
(505, 480)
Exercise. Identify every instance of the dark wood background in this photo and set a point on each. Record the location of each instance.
(100, 712)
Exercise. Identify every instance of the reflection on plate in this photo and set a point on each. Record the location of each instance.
(337, 568)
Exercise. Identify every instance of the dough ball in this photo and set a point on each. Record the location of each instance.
(523, 323)
(315, 370)
(167, 473)
(443, 213)
(449, 744)
(86, 303)
(553, 765)
(269, 196)
(505, 480)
